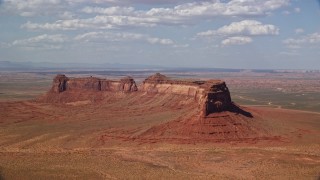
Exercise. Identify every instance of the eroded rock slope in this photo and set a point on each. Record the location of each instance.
(212, 116)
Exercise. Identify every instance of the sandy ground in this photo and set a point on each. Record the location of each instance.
(106, 140)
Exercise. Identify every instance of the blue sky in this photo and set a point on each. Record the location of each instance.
(281, 34)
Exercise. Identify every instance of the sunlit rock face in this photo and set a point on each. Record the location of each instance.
(62, 83)
(212, 95)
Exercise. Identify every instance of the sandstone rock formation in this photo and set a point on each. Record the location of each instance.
(62, 83)
(217, 97)
(213, 95)
(189, 110)
(59, 83)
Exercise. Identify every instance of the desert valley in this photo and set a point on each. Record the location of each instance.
(176, 125)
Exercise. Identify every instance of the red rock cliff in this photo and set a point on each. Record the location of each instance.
(213, 95)
(62, 83)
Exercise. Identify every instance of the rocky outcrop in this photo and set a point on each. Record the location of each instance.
(159, 83)
(216, 97)
(213, 95)
(176, 110)
(59, 83)
(62, 83)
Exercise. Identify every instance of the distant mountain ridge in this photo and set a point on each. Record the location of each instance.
(32, 66)
(7, 65)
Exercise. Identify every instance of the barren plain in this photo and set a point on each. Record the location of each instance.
(152, 136)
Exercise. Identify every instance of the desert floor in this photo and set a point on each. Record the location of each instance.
(41, 141)
(111, 139)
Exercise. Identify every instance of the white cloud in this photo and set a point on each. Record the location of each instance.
(308, 40)
(100, 37)
(97, 22)
(67, 15)
(125, 2)
(107, 37)
(56, 41)
(236, 40)
(31, 7)
(218, 8)
(44, 41)
(116, 10)
(286, 12)
(30, 4)
(299, 31)
(240, 32)
(160, 41)
(246, 27)
(183, 14)
(297, 10)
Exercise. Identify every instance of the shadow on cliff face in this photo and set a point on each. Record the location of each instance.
(236, 109)
(1, 174)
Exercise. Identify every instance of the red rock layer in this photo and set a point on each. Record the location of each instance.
(213, 95)
(62, 83)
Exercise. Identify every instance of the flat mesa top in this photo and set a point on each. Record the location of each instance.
(162, 79)
(156, 78)
(91, 78)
